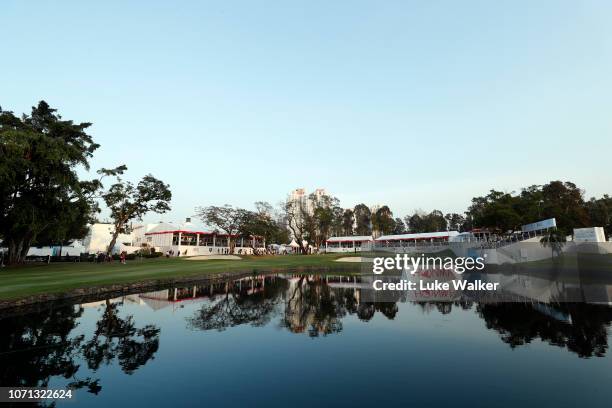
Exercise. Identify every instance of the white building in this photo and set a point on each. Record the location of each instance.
(99, 237)
(188, 239)
(97, 240)
(347, 244)
(423, 238)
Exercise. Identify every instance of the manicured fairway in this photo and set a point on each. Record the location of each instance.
(16, 282)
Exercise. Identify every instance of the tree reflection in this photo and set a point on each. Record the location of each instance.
(584, 333)
(117, 337)
(35, 347)
(306, 303)
(314, 308)
(240, 305)
(444, 307)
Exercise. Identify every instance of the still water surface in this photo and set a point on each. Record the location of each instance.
(290, 340)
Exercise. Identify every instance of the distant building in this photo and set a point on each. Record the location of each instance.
(347, 244)
(423, 238)
(300, 199)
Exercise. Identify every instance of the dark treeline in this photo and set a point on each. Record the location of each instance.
(497, 212)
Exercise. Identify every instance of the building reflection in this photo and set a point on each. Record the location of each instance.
(316, 305)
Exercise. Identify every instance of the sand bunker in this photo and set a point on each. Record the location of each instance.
(207, 257)
(349, 259)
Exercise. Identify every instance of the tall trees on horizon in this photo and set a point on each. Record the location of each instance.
(363, 219)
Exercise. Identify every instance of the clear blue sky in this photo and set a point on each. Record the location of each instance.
(415, 104)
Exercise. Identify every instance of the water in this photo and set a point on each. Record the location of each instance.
(308, 341)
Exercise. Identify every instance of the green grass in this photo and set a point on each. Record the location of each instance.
(21, 281)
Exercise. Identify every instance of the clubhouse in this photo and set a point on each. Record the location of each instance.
(188, 240)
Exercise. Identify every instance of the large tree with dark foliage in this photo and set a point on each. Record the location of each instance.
(41, 196)
(563, 201)
(600, 212)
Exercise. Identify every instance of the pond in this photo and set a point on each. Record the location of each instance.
(308, 340)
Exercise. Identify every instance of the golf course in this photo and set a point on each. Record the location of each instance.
(62, 277)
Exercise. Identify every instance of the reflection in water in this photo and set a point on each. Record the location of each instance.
(36, 347)
(115, 337)
(581, 328)
(239, 302)
(317, 304)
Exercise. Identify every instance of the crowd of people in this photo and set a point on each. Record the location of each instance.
(102, 257)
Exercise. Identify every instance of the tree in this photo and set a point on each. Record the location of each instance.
(41, 195)
(337, 228)
(564, 201)
(300, 222)
(363, 219)
(496, 211)
(414, 222)
(455, 222)
(323, 214)
(508, 211)
(382, 221)
(261, 223)
(348, 220)
(399, 227)
(600, 212)
(70, 225)
(422, 222)
(226, 218)
(127, 201)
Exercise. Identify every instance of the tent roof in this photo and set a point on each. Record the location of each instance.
(421, 235)
(351, 238)
(188, 227)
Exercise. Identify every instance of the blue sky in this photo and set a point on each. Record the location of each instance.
(414, 104)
